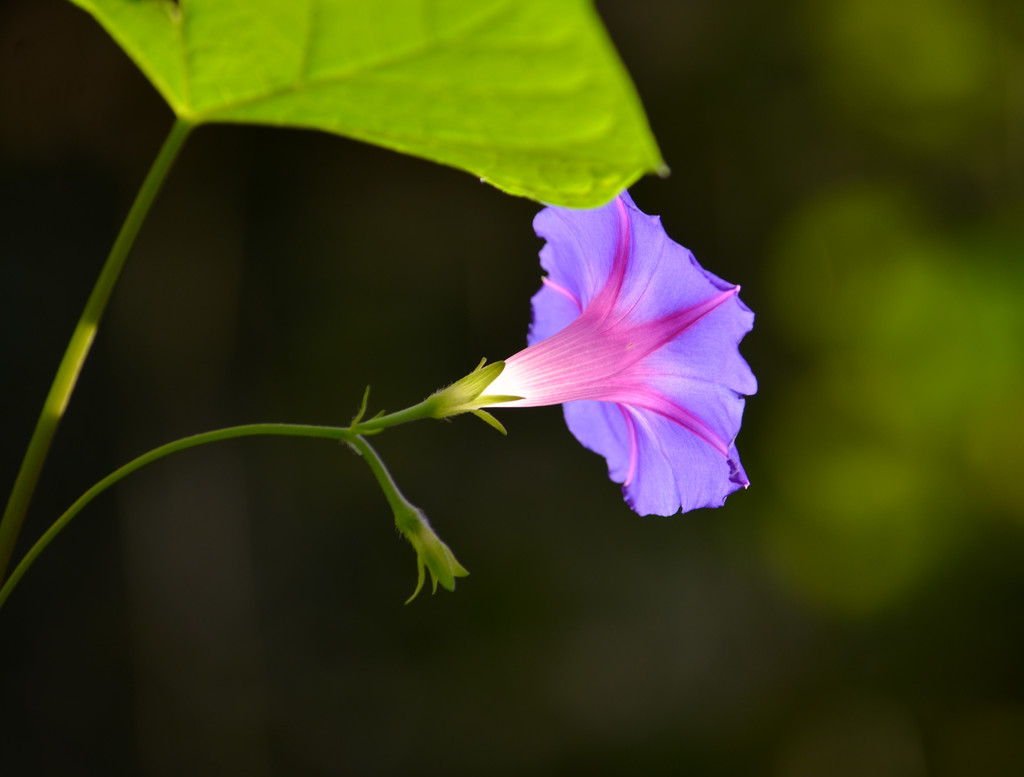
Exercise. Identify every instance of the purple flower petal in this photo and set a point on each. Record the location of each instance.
(660, 483)
(640, 344)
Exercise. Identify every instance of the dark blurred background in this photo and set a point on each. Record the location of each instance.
(857, 165)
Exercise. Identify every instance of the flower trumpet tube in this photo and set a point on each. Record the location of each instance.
(639, 343)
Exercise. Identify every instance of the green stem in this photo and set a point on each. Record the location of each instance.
(230, 433)
(78, 348)
(399, 505)
(431, 554)
(424, 409)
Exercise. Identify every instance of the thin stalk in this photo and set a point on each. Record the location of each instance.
(396, 499)
(230, 433)
(431, 554)
(78, 348)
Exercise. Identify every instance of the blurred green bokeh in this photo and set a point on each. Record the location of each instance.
(858, 166)
(910, 338)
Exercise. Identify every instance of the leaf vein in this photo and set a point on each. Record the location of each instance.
(366, 67)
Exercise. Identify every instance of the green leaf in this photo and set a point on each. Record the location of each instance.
(529, 95)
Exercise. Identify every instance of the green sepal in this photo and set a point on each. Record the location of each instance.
(496, 399)
(466, 395)
(490, 420)
(461, 394)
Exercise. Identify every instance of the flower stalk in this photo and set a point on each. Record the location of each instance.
(193, 441)
(432, 555)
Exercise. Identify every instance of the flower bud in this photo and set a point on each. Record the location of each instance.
(431, 553)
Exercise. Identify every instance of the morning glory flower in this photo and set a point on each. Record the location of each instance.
(639, 344)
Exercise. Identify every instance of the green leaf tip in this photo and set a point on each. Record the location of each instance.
(530, 95)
